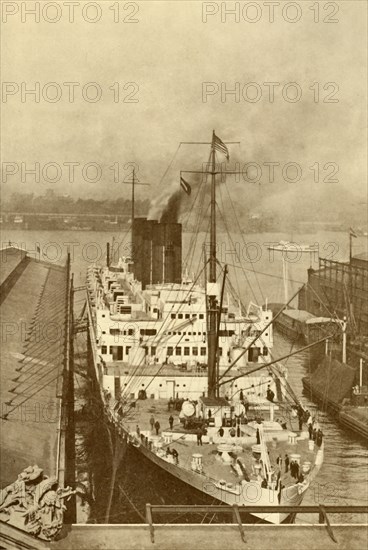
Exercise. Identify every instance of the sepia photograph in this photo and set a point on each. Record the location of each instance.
(184, 275)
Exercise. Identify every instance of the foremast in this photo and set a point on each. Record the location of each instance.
(212, 306)
(213, 309)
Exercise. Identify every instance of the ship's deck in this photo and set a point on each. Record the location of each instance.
(119, 368)
(185, 441)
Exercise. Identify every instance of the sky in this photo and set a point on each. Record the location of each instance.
(169, 54)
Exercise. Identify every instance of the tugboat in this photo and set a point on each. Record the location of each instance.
(187, 377)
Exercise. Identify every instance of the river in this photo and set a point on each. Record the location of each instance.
(344, 475)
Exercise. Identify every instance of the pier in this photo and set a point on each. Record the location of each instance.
(321, 534)
(37, 398)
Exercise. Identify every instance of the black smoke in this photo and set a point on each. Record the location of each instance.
(172, 209)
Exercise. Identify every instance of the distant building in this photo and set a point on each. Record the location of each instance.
(335, 286)
(341, 289)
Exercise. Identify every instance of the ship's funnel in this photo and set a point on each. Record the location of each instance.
(157, 251)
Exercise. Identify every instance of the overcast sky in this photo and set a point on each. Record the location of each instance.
(169, 53)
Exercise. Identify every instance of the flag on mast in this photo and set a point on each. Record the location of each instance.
(220, 146)
(185, 185)
(352, 233)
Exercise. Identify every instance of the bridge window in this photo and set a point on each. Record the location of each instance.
(178, 351)
(170, 350)
(186, 351)
(203, 351)
(195, 351)
(103, 350)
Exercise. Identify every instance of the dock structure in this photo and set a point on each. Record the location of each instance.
(37, 398)
(320, 534)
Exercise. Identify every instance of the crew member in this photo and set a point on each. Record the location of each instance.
(319, 438)
(199, 436)
(270, 394)
(287, 462)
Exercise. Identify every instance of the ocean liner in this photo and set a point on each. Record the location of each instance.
(187, 377)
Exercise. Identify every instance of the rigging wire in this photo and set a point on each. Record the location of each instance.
(242, 236)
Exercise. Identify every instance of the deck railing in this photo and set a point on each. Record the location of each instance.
(234, 511)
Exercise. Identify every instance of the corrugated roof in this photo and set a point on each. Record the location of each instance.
(32, 360)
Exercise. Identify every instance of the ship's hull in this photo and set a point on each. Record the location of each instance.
(292, 328)
(145, 477)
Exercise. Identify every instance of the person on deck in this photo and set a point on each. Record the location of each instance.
(221, 432)
(246, 404)
(171, 421)
(270, 394)
(319, 438)
(296, 470)
(157, 427)
(300, 412)
(287, 462)
(241, 395)
(258, 437)
(175, 454)
(152, 422)
(310, 430)
(199, 436)
(279, 461)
